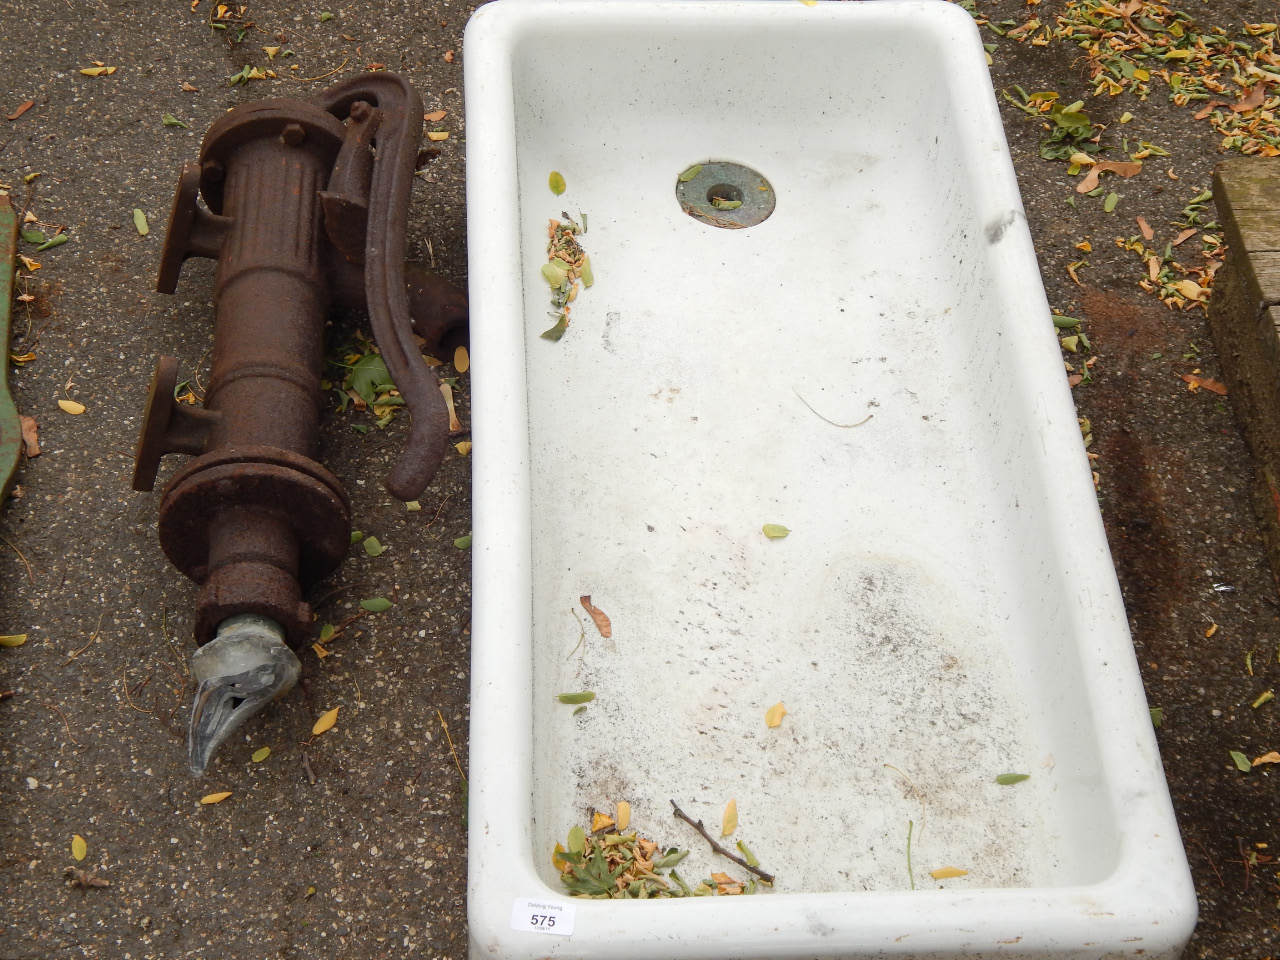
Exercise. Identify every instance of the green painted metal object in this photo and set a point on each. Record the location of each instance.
(10, 425)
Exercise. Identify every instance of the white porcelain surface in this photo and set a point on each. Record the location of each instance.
(944, 610)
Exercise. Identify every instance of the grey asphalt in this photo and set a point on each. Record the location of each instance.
(354, 845)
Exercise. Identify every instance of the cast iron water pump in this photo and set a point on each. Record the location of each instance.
(307, 204)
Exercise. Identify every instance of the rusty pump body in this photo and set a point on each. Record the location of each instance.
(307, 206)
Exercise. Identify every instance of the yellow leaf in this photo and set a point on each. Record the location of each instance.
(1085, 246)
(261, 754)
(773, 716)
(557, 860)
(325, 722)
(72, 407)
(1082, 158)
(461, 361)
(946, 873)
(16, 640)
(271, 52)
(435, 116)
(215, 797)
(600, 821)
(1271, 757)
(28, 263)
(437, 135)
(321, 652)
(730, 818)
(97, 71)
(624, 814)
(432, 361)
(79, 849)
(1190, 289)
(463, 446)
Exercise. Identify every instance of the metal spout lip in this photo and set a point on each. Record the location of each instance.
(239, 672)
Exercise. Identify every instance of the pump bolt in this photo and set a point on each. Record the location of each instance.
(213, 170)
(293, 134)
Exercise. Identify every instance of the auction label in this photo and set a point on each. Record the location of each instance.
(543, 916)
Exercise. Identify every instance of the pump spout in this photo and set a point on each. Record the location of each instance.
(239, 672)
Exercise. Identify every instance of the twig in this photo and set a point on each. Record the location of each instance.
(582, 633)
(64, 723)
(124, 679)
(91, 639)
(910, 873)
(6, 694)
(30, 576)
(1213, 866)
(164, 632)
(918, 795)
(697, 825)
(832, 422)
(451, 750)
(438, 512)
(306, 765)
(322, 76)
(337, 631)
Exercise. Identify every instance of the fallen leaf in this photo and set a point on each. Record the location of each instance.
(463, 447)
(624, 814)
(1211, 385)
(1185, 235)
(555, 333)
(1109, 204)
(437, 135)
(261, 754)
(577, 841)
(463, 543)
(271, 52)
(1153, 268)
(83, 880)
(140, 222)
(1271, 757)
(325, 17)
(586, 696)
(946, 873)
(1071, 271)
(373, 547)
(79, 849)
(1252, 100)
(98, 71)
(413, 506)
(773, 716)
(599, 617)
(326, 722)
(1008, 779)
(215, 797)
(1209, 107)
(22, 108)
(321, 652)
(30, 435)
(448, 56)
(461, 360)
(1241, 761)
(557, 860)
(72, 407)
(730, 823)
(556, 182)
(690, 173)
(775, 531)
(13, 640)
(1122, 168)
(376, 604)
(435, 116)
(601, 821)
(447, 392)
(1147, 233)
(188, 88)
(28, 263)
(1213, 628)
(752, 860)
(1265, 697)
(54, 241)
(169, 120)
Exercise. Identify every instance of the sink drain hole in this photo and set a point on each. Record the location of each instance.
(726, 195)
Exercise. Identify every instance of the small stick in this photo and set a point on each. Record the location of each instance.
(322, 76)
(306, 765)
(451, 750)
(832, 422)
(64, 723)
(6, 694)
(124, 679)
(697, 825)
(164, 631)
(91, 639)
(30, 576)
(1212, 865)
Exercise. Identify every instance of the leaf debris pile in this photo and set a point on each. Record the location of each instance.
(566, 264)
(608, 865)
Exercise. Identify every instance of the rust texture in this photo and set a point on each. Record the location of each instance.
(305, 206)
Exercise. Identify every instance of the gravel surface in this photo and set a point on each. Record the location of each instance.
(353, 845)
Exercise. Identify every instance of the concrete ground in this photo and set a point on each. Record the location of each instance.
(353, 844)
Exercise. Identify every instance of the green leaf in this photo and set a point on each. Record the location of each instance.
(578, 710)
(1065, 323)
(261, 754)
(1157, 716)
(326, 632)
(670, 859)
(13, 640)
(57, 241)
(1008, 779)
(586, 696)
(577, 842)
(463, 543)
(691, 173)
(720, 203)
(169, 120)
(588, 277)
(373, 547)
(1110, 203)
(748, 855)
(356, 537)
(556, 332)
(325, 17)
(376, 604)
(775, 531)
(140, 222)
(1241, 761)
(556, 183)
(369, 377)
(33, 236)
(553, 274)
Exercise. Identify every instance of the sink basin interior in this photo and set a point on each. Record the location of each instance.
(911, 621)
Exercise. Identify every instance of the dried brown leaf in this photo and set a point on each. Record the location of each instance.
(1271, 757)
(435, 116)
(598, 616)
(1211, 385)
(1186, 234)
(1147, 233)
(30, 435)
(1121, 168)
(1252, 100)
(22, 108)
(85, 881)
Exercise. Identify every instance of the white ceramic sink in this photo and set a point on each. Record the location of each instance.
(944, 609)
